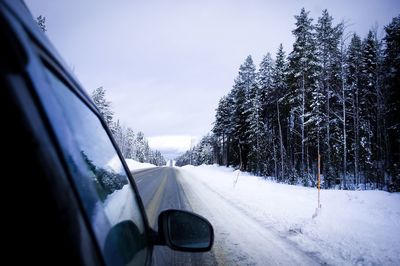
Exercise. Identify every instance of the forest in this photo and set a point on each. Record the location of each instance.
(132, 146)
(336, 96)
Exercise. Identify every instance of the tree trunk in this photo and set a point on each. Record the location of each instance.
(302, 125)
(281, 142)
(344, 185)
(275, 160)
(223, 150)
(357, 137)
(228, 142)
(240, 156)
(328, 140)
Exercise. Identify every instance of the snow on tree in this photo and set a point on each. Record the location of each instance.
(140, 144)
(119, 137)
(392, 102)
(104, 106)
(279, 79)
(130, 148)
(204, 152)
(240, 92)
(324, 124)
(329, 97)
(223, 127)
(257, 110)
(371, 111)
(41, 21)
(156, 158)
(354, 82)
(303, 79)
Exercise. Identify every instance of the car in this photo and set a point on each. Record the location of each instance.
(71, 197)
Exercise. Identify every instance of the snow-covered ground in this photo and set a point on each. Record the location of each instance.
(258, 222)
(115, 165)
(135, 165)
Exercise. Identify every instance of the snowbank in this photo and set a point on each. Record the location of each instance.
(135, 165)
(354, 227)
(115, 165)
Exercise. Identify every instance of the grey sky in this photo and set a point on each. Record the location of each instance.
(165, 64)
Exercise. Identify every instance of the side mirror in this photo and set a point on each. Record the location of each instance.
(185, 231)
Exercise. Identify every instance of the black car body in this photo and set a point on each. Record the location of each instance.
(64, 174)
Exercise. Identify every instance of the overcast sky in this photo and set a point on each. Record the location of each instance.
(165, 64)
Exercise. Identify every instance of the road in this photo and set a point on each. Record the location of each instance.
(240, 237)
(160, 190)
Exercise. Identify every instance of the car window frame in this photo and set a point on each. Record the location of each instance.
(46, 62)
(95, 142)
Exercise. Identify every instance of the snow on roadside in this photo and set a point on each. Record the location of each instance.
(354, 227)
(135, 165)
(115, 165)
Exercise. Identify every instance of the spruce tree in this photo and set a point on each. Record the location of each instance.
(41, 21)
(354, 82)
(368, 105)
(240, 94)
(303, 79)
(325, 106)
(130, 139)
(104, 106)
(392, 100)
(223, 127)
(140, 146)
(280, 104)
(256, 113)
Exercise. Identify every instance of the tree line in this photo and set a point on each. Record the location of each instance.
(335, 95)
(132, 146)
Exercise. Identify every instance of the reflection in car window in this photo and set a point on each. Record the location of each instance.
(105, 189)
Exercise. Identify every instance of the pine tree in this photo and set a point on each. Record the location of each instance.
(147, 151)
(368, 105)
(119, 136)
(264, 81)
(345, 101)
(325, 105)
(183, 160)
(104, 106)
(354, 82)
(140, 146)
(130, 148)
(223, 127)
(257, 104)
(392, 101)
(302, 76)
(41, 21)
(159, 159)
(240, 92)
(279, 79)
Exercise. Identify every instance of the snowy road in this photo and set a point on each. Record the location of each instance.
(240, 238)
(259, 222)
(160, 190)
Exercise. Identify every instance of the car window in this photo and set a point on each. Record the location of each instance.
(103, 185)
